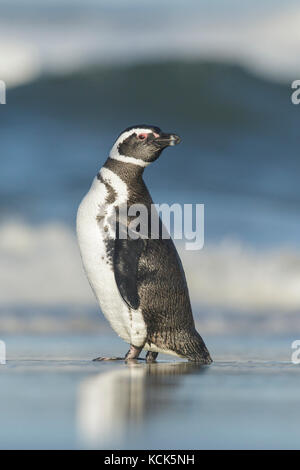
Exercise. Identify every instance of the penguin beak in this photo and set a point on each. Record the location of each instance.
(164, 140)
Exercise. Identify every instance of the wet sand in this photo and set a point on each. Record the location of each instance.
(53, 396)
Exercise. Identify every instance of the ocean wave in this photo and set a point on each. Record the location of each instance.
(41, 267)
(239, 277)
(31, 45)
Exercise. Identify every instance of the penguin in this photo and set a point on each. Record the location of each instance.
(139, 281)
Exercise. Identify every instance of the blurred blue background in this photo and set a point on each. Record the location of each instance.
(217, 73)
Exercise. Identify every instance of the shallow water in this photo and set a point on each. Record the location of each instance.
(53, 396)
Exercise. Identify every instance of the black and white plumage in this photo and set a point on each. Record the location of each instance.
(139, 283)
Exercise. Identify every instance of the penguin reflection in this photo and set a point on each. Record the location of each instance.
(114, 404)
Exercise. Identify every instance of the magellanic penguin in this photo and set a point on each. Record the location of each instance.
(139, 283)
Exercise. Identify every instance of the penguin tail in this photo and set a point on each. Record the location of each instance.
(195, 349)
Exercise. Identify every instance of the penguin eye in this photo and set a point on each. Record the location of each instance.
(142, 136)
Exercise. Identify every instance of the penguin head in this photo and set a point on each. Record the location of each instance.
(142, 144)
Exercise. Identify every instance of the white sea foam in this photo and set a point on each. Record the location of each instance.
(238, 277)
(263, 37)
(41, 267)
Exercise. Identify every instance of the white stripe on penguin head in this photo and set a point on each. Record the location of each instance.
(114, 153)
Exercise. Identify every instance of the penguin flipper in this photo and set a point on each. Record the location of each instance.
(126, 259)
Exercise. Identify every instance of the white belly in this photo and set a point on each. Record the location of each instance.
(128, 323)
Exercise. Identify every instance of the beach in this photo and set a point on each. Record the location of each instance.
(53, 396)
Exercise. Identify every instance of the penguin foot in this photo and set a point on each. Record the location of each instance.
(118, 359)
(151, 356)
(114, 358)
(133, 353)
